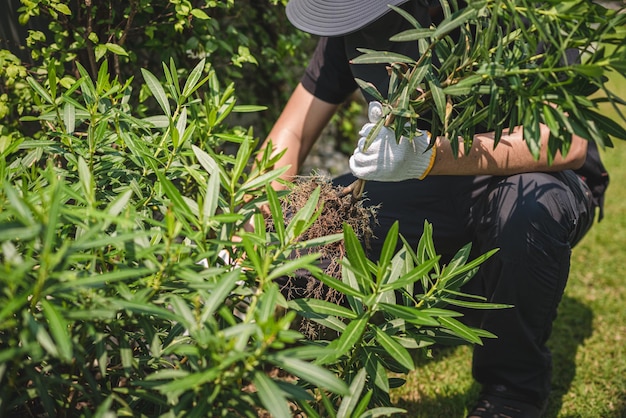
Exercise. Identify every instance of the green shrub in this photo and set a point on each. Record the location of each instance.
(131, 285)
(247, 41)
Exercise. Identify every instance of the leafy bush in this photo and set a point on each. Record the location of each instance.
(235, 36)
(131, 284)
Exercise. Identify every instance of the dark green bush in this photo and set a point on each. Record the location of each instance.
(131, 286)
(247, 41)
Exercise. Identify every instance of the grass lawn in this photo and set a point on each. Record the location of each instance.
(589, 338)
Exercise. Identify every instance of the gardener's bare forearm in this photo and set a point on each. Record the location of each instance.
(511, 156)
(298, 127)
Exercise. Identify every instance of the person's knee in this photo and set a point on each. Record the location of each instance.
(532, 209)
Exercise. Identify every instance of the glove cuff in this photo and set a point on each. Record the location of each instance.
(426, 160)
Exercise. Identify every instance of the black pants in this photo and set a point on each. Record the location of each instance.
(534, 219)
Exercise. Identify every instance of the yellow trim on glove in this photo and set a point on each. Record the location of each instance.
(431, 163)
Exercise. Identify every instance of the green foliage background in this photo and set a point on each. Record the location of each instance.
(250, 42)
(130, 281)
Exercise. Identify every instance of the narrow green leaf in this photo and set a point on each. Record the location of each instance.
(439, 98)
(159, 121)
(352, 334)
(104, 409)
(102, 82)
(69, 118)
(321, 307)
(52, 79)
(383, 411)
(13, 305)
(434, 312)
(457, 19)
(271, 396)
(291, 266)
(464, 86)
(43, 337)
(329, 322)
(454, 277)
(248, 108)
(180, 307)
(39, 90)
(171, 74)
(104, 279)
(17, 205)
(413, 35)
(241, 162)
(342, 287)
(475, 305)
(459, 329)
(329, 405)
(588, 70)
(157, 91)
(356, 256)
(550, 119)
(349, 402)
(394, 349)
(411, 277)
(376, 370)
(605, 124)
(312, 373)
(370, 89)
(418, 74)
(211, 197)
(262, 180)
(194, 76)
(254, 255)
(277, 214)
(426, 247)
(58, 327)
(179, 204)
(459, 259)
(86, 181)
(389, 248)
(409, 314)
(309, 411)
(145, 309)
(188, 382)
(219, 293)
(50, 235)
(406, 15)
(310, 351)
(268, 302)
(181, 125)
(380, 57)
(86, 84)
(305, 216)
(119, 203)
(532, 132)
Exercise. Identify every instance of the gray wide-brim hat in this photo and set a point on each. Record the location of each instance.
(336, 17)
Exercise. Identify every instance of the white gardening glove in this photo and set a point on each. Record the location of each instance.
(388, 160)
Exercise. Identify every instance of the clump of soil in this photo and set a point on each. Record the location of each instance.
(338, 207)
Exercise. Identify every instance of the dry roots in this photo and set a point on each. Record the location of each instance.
(338, 208)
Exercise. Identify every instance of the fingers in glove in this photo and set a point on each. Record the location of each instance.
(375, 111)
